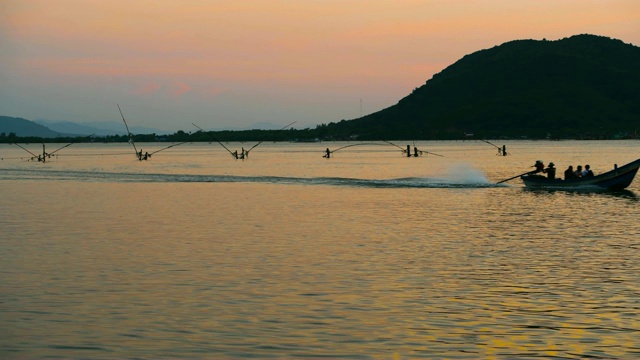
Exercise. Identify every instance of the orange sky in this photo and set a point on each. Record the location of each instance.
(227, 64)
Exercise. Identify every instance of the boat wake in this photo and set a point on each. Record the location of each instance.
(457, 179)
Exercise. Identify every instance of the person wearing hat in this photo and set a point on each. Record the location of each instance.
(550, 171)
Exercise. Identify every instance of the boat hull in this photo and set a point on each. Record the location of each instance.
(616, 179)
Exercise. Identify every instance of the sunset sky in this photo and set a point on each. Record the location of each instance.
(231, 64)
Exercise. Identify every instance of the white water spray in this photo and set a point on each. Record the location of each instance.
(465, 174)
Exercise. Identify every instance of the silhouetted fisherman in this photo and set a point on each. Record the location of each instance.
(504, 150)
(539, 165)
(237, 155)
(408, 150)
(415, 151)
(550, 171)
(328, 154)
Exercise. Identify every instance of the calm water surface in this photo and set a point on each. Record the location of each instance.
(367, 255)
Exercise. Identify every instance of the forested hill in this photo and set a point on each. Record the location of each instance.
(584, 86)
(13, 126)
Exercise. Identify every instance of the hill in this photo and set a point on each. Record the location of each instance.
(25, 128)
(585, 86)
(82, 129)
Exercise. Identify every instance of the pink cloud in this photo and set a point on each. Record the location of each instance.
(147, 89)
(179, 89)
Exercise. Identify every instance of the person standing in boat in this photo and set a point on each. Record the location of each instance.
(550, 171)
(539, 165)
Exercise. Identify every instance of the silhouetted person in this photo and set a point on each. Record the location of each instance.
(539, 165)
(569, 174)
(408, 150)
(415, 151)
(328, 153)
(504, 150)
(578, 171)
(587, 171)
(550, 171)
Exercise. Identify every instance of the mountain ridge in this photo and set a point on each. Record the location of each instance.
(23, 127)
(52, 129)
(581, 86)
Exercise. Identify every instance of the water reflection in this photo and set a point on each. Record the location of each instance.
(357, 258)
(624, 194)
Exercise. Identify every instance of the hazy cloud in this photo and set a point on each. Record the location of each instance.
(147, 89)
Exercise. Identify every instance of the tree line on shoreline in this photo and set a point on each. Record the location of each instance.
(291, 135)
